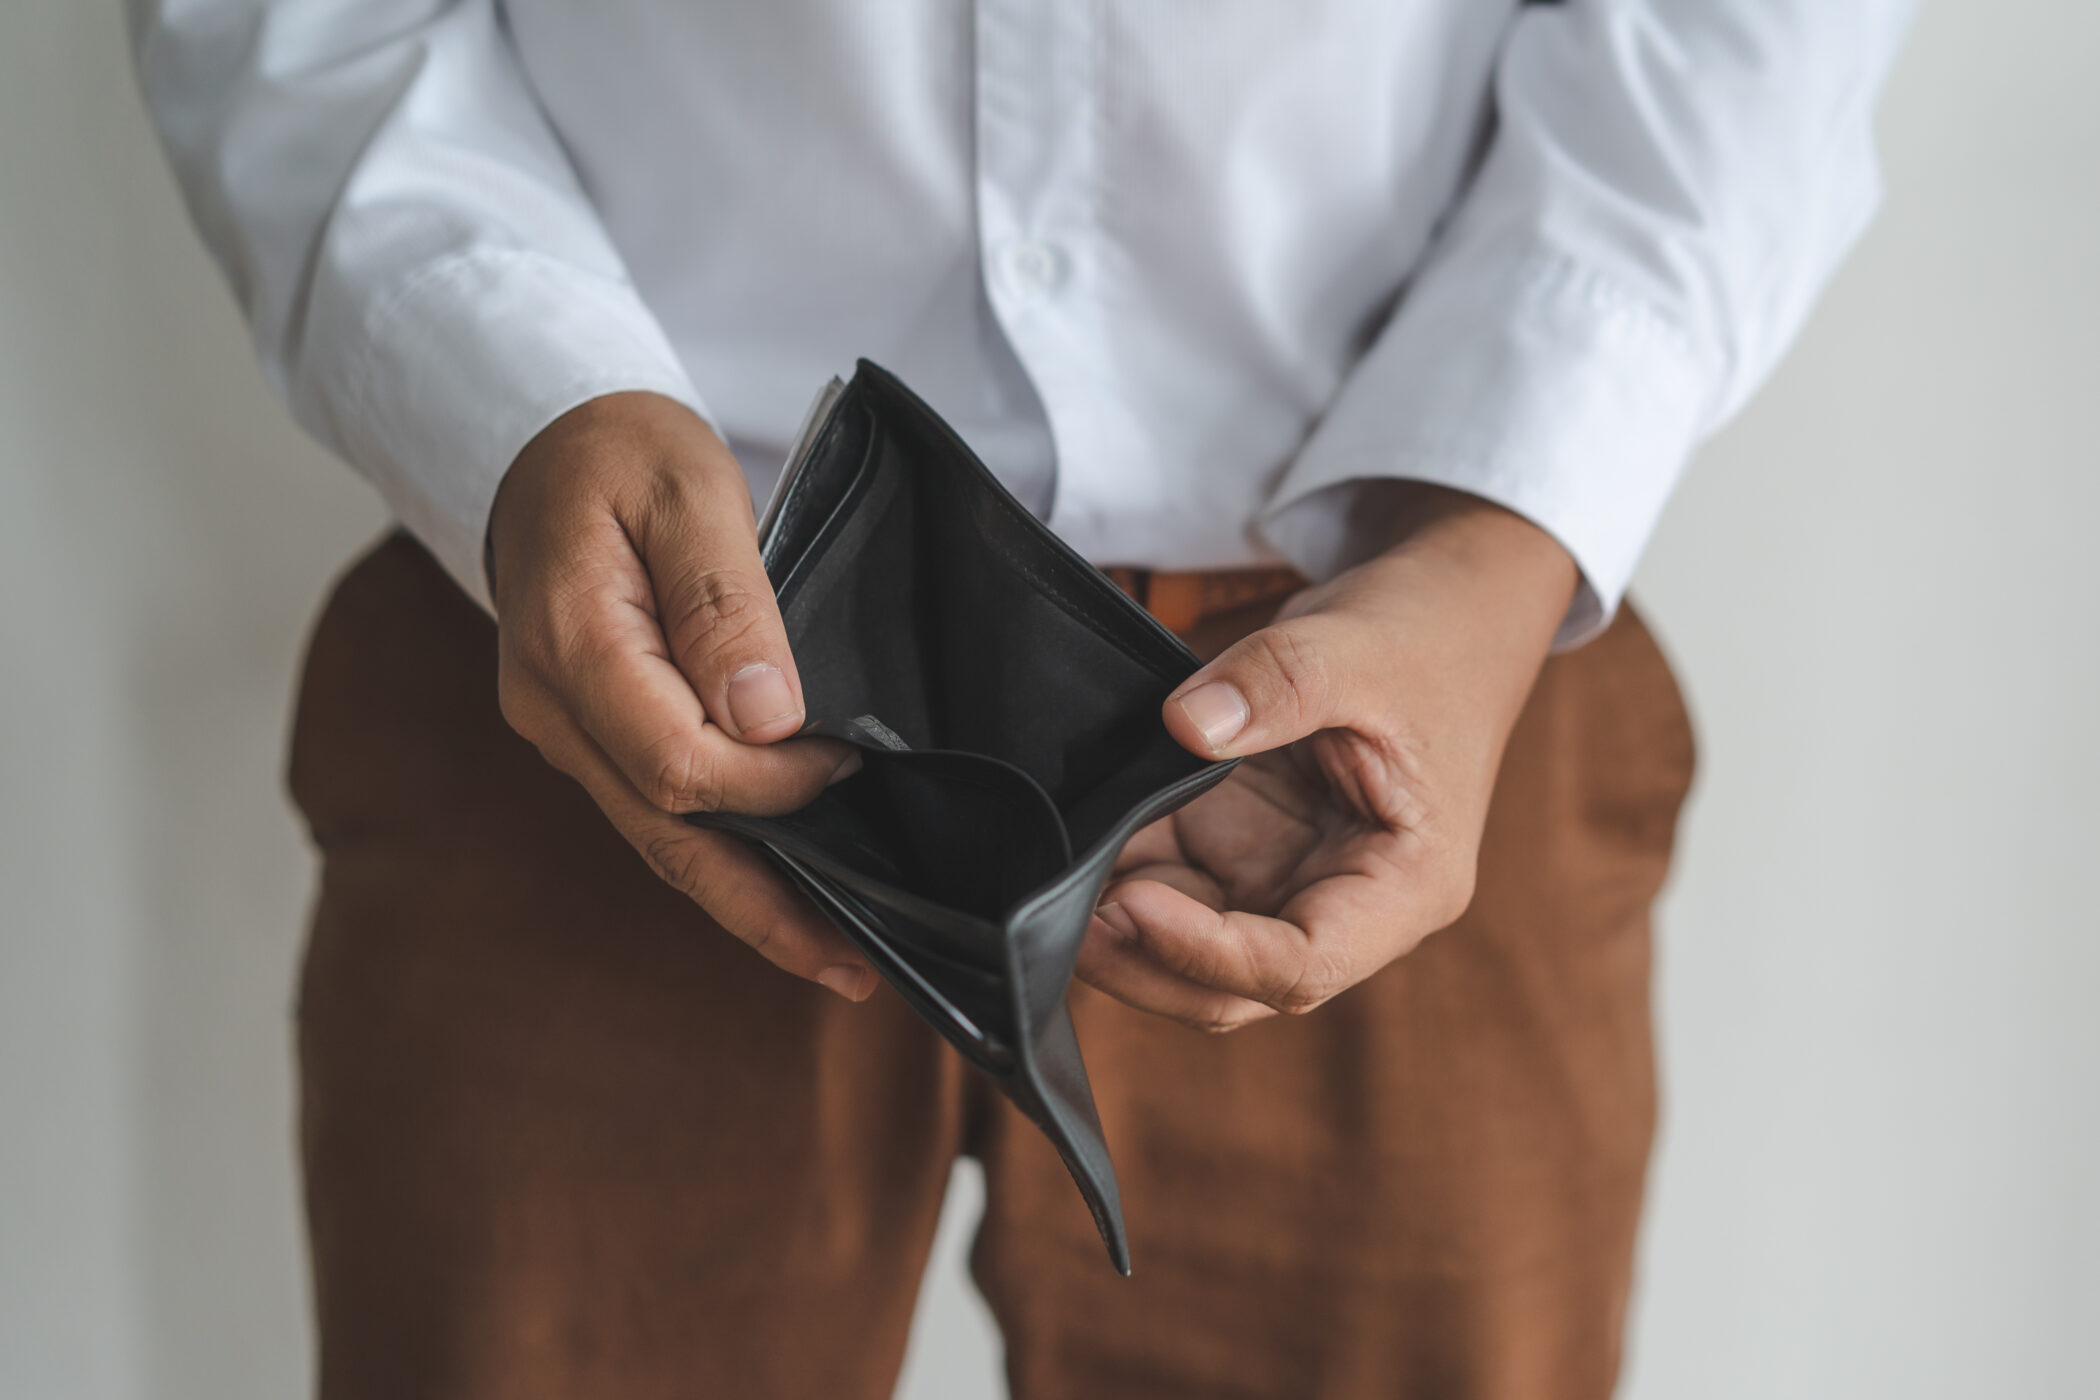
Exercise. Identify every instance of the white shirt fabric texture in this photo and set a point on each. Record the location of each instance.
(1181, 273)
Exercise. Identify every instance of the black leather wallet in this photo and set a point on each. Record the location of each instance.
(1006, 698)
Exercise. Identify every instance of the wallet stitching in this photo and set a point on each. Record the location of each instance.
(1107, 627)
(1107, 624)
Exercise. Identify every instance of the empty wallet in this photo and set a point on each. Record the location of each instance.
(1006, 699)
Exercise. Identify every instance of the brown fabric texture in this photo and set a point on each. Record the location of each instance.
(563, 1136)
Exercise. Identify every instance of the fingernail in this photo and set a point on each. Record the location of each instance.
(758, 695)
(1115, 916)
(852, 983)
(846, 770)
(1218, 710)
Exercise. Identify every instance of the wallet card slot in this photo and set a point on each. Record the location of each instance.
(952, 831)
(793, 471)
(822, 542)
(966, 830)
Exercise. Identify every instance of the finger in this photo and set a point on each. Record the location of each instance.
(722, 874)
(740, 891)
(1112, 962)
(714, 602)
(1177, 875)
(642, 712)
(1267, 960)
(1270, 688)
(1154, 844)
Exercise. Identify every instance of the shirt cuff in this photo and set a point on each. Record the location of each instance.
(1544, 388)
(463, 365)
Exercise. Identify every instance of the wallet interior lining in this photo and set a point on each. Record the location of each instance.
(925, 604)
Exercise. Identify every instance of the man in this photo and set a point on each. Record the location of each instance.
(1427, 303)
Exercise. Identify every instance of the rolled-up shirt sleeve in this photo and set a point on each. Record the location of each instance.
(425, 280)
(1668, 186)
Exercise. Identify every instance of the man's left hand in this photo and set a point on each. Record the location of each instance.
(1372, 714)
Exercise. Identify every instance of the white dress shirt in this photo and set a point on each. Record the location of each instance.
(1180, 272)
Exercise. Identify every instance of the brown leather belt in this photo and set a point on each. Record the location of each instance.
(1181, 600)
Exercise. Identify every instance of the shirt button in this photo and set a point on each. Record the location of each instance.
(1033, 268)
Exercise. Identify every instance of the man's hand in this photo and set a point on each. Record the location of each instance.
(1375, 709)
(642, 652)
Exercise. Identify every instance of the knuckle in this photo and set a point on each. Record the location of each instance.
(684, 780)
(1314, 983)
(1299, 999)
(1227, 1021)
(1300, 672)
(1295, 1002)
(714, 610)
(1301, 1005)
(675, 862)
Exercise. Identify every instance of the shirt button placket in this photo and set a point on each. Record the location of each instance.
(1035, 191)
(1033, 268)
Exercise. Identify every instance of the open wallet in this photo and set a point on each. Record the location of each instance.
(1006, 699)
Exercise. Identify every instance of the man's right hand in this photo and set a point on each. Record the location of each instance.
(642, 652)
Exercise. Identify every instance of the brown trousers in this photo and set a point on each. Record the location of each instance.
(565, 1137)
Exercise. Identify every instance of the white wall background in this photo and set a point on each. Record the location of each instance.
(1880, 1174)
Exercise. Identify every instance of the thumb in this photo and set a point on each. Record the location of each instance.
(1271, 688)
(716, 605)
